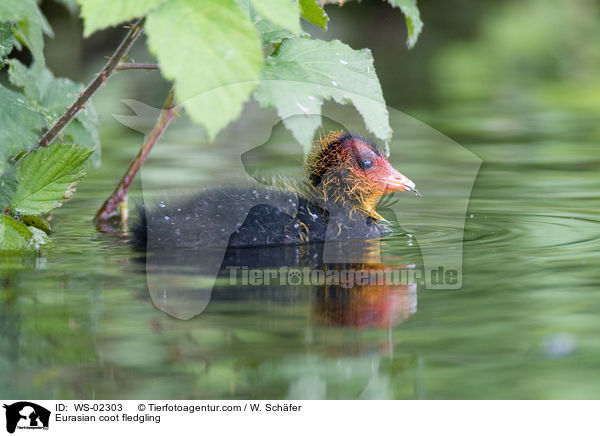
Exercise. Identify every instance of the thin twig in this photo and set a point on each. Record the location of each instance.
(135, 66)
(110, 208)
(111, 65)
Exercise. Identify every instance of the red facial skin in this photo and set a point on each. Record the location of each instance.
(382, 177)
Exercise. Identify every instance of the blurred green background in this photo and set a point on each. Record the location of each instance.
(515, 82)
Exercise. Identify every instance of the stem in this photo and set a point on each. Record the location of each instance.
(135, 66)
(110, 207)
(111, 65)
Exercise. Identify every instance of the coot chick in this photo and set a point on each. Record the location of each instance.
(346, 174)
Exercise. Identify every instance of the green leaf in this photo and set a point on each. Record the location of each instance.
(17, 236)
(414, 25)
(312, 11)
(303, 73)
(20, 125)
(282, 13)
(47, 178)
(80, 133)
(30, 24)
(13, 234)
(83, 130)
(42, 88)
(212, 51)
(40, 238)
(7, 39)
(100, 14)
(34, 82)
(8, 185)
(50, 96)
(271, 33)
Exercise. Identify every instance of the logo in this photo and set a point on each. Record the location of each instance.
(26, 415)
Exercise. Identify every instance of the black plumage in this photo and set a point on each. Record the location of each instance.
(251, 217)
(346, 175)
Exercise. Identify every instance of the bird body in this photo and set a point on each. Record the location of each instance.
(346, 175)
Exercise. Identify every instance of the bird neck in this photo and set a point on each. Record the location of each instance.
(337, 194)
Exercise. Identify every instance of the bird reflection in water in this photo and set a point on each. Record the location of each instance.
(365, 305)
(180, 283)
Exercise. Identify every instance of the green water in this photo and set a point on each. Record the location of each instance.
(79, 322)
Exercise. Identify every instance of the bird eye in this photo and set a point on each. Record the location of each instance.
(366, 164)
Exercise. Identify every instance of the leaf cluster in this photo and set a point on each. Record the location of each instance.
(220, 53)
(34, 183)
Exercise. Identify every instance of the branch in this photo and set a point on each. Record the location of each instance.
(112, 64)
(135, 66)
(110, 208)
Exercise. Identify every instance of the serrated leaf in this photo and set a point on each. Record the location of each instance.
(414, 25)
(282, 13)
(303, 73)
(313, 12)
(30, 24)
(7, 38)
(50, 96)
(20, 125)
(47, 178)
(17, 236)
(100, 14)
(212, 52)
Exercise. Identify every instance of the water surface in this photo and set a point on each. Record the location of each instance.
(79, 321)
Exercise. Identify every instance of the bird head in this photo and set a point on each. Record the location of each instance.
(347, 168)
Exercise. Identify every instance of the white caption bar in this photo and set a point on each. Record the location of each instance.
(22, 417)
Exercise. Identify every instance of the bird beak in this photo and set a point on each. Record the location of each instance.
(396, 181)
